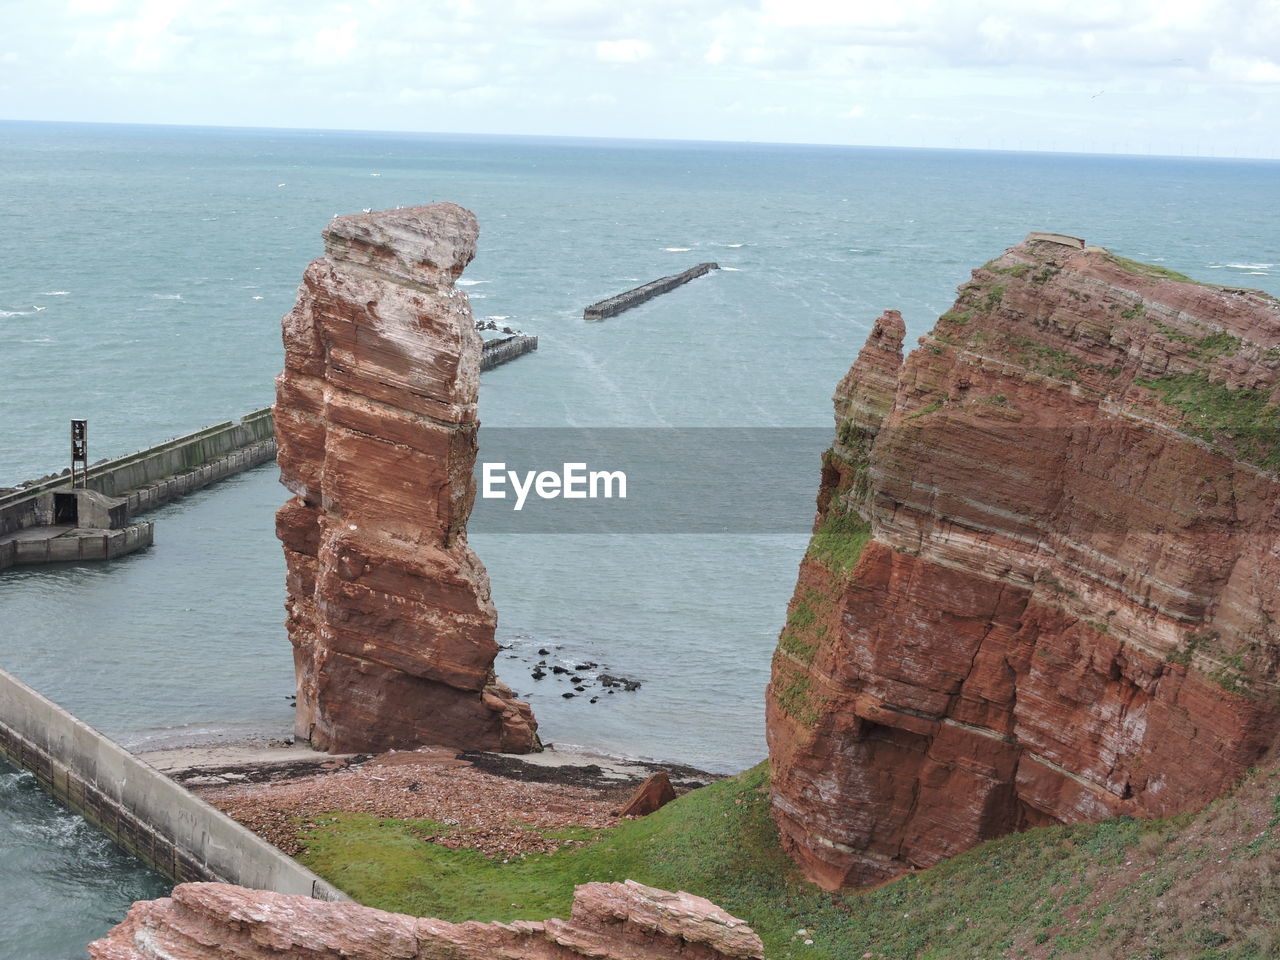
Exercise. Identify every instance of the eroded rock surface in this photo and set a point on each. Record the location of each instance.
(653, 794)
(389, 610)
(1044, 584)
(609, 921)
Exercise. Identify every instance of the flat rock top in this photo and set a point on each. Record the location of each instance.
(437, 240)
(1252, 314)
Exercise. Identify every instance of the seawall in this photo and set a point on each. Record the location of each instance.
(99, 545)
(29, 515)
(234, 440)
(614, 305)
(495, 352)
(141, 809)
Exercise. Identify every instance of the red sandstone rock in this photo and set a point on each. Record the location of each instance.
(1068, 602)
(388, 608)
(610, 921)
(655, 792)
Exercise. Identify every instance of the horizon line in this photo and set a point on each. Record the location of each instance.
(627, 140)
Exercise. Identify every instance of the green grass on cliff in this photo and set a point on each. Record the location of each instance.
(806, 629)
(1199, 887)
(1244, 419)
(839, 541)
(1151, 271)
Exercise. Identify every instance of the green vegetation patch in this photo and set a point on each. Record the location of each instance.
(1242, 419)
(1150, 270)
(1018, 270)
(1043, 359)
(838, 542)
(854, 438)
(720, 842)
(855, 470)
(805, 630)
(960, 317)
(793, 686)
(926, 410)
(1216, 345)
(1206, 347)
(1139, 309)
(1170, 332)
(1115, 890)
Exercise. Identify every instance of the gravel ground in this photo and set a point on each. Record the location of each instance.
(500, 814)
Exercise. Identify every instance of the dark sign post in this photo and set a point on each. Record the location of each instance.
(80, 451)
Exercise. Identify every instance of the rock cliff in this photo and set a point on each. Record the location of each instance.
(1044, 580)
(610, 921)
(388, 608)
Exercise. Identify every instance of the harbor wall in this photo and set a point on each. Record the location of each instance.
(615, 305)
(104, 545)
(496, 352)
(142, 810)
(157, 475)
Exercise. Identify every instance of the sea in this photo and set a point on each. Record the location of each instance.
(143, 274)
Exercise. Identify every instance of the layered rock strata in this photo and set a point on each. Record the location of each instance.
(388, 608)
(1044, 582)
(610, 921)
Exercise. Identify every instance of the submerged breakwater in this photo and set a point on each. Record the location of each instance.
(497, 352)
(615, 305)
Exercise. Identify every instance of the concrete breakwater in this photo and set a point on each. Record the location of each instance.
(164, 460)
(49, 521)
(59, 543)
(615, 305)
(142, 810)
(501, 351)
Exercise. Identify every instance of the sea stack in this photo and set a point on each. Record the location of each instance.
(1044, 582)
(389, 610)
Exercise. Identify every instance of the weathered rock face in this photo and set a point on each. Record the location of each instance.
(654, 794)
(610, 921)
(388, 608)
(1044, 584)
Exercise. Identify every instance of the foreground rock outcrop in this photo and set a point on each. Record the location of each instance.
(1044, 583)
(610, 921)
(389, 610)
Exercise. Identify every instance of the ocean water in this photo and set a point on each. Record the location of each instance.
(143, 275)
(51, 860)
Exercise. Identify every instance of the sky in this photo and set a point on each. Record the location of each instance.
(1180, 77)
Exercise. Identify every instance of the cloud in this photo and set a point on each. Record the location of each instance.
(630, 50)
(335, 43)
(149, 39)
(758, 69)
(1246, 69)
